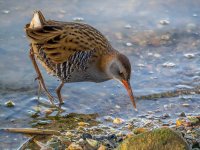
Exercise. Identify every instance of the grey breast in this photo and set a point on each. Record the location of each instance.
(75, 69)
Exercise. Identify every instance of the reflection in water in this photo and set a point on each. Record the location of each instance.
(161, 39)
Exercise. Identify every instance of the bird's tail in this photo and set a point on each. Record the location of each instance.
(37, 21)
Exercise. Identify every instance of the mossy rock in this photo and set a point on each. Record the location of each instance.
(158, 139)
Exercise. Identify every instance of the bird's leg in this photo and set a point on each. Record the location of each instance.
(58, 90)
(39, 76)
(39, 88)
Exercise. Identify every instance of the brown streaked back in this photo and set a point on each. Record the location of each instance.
(59, 40)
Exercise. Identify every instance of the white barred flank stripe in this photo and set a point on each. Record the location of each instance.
(78, 61)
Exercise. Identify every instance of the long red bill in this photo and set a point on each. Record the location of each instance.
(130, 92)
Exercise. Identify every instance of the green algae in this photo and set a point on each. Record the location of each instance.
(163, 138)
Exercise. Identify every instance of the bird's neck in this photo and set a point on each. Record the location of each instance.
(106, 61)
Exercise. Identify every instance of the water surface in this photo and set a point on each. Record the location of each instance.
(164, 57)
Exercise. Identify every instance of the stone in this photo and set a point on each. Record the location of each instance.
(118, 121)
(74, 146)
(86, 136)
(10, 104)
(158, 139)
(92, 143)
(102, 147)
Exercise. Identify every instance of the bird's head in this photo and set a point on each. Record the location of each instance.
(119, 68)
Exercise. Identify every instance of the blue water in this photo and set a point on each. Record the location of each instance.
(153, 44)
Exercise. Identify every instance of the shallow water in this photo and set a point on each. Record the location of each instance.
(164, 57)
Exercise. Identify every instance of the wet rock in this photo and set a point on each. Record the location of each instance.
(48, 111)
(43, 122)
(164, 22)
(102, 147)
(165, 115)
(108, 118)
(109, 144)
(118, 121)
(6, 11)
(158, 139)
(140, 65)
(186, 105)
(83, 124)
(140, 130)
(112, 137)
(117, 106)
(86, 136)
(54, 143)
(169, 106)
(189, 55)
(183, 122)
(194, 120)
(10, 104)
(92, 143)
(129, 44)
(78, 19)
(128, 26)
(33, 114)
(168, 64)
(182, 114)
(194, 15)
(69, 134)
(74, 146)
(165, 37)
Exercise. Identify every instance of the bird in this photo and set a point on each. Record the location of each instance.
(74, 52)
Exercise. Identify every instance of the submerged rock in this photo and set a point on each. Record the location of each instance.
(164, 22)
(158, 139)
(10, 104)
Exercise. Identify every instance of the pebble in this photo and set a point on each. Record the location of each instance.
(165, 37)
(92, 142)
(171, 105)
(140, 65)
(157, 55)
(32, 113)
(165, 115)
(150, 112)
(111, 137)
(102, 147)
(69, 134)
(117, 106)
(9, 103)
(6, 11)
(194, 15)
(108, 118)
(164, 22)
(78, 19)
(118, 121)
(189, 55)
(129, 44)
(140, 130)
(83, 124)
(186, 105)
(48, 111)
(86, 136)
(74, 146)
(128, 26)
(43, 122)
(193, 120)
(182, 114)
(168, 64)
